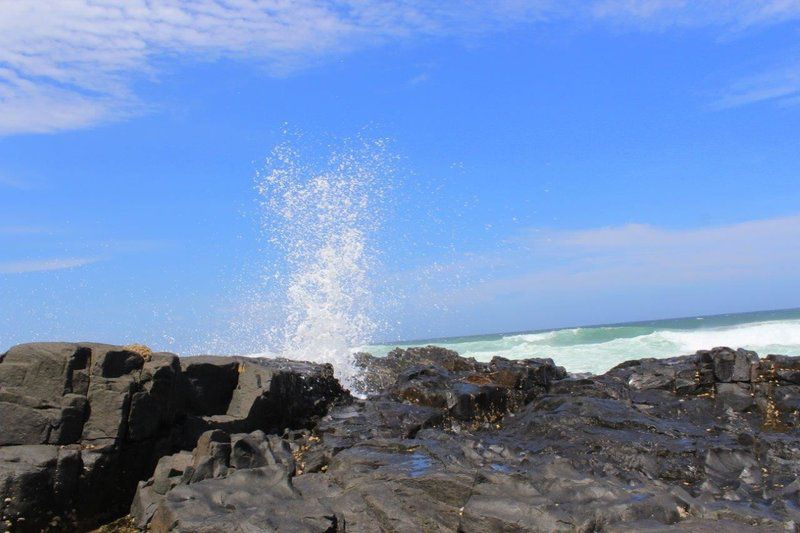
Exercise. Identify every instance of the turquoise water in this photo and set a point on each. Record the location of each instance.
(597, 348)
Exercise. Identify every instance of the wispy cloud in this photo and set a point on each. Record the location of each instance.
(13, 183)
(70, 64)
(67, 65)
(731, 15)
(625, 256)
(22, 230)
(418, 79)
(45, 265)
(781, 84)
(78, 253)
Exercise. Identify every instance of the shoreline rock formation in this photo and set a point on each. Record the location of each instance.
(81, 424)
(440, 443)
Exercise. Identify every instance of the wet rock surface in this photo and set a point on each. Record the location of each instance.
(81, 424)
(444, 443)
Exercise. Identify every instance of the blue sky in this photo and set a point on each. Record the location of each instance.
(560, 163)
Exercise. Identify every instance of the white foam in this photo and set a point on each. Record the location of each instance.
(761, 335)
(584, 350)
(768, 337)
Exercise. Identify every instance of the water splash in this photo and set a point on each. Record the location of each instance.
(322, 216)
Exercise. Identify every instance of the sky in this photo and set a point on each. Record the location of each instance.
(557, 163)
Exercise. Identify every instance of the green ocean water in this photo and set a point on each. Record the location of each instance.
(597, 348)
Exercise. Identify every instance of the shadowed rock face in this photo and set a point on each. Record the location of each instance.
(81, 424)
(443, 443)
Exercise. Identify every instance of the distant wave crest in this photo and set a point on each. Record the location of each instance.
(597, 349)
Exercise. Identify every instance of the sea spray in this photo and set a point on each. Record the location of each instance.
(321, 216)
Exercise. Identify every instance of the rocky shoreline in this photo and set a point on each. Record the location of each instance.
(90, 433)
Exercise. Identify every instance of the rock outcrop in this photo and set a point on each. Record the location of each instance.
(694, 443)
(81, 424)
(441, 443)
(462, 388)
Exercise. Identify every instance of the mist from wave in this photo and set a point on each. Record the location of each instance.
(596, 349)
(319, 215)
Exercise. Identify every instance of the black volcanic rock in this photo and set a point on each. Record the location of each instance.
(441, 443)
(81, 424)
(694, 443)
(463, 389)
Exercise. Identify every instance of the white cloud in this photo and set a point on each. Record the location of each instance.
(14, 183)
(646, 237)
(44, 265)
(780, 84)
(777, 83)
(418, 79)
(86, 253)
(32, 107)
(730, 14)
(70, 63)
(21, 230)
(625, 256)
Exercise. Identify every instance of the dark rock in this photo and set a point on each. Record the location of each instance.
(25, 425)
(438, 388)
(692, 443)
(210, 384)
(211, 457)
(37, 404)
(347, 425)
(158, 401)
(731, 365)
(530, 376)
(257, 449)
(95, 419)
(442, 443)
(463, 389)
(38, 483)
(170, 470)
(114, 362)
(736, 396)
(383, 372)
(44, 370)
(68, 428)
(781, 368)
(168, 473)
(231, 504)
(109, 401)
(216, 456)
(266, 394)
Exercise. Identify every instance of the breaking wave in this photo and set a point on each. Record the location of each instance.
(597, 349)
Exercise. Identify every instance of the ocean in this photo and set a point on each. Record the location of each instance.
(596, 349)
